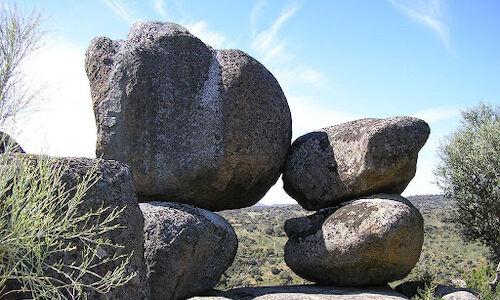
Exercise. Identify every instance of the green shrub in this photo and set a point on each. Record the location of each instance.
(40, 223)
(480, 278)
(469, 173)
(427, 293)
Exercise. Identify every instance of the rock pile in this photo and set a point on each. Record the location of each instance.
(354, 240)
(411, 289)
(209, 130)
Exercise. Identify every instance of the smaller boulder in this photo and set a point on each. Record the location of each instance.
(186, 249)
(458, 295)
(411, 289)
(355, 159)
(365, 242)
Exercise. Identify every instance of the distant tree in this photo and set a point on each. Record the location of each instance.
(469, 173)
(20, 36)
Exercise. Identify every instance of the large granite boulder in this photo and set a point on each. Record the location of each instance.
(206, 127)
(354, 159)
(7, 142)
(114, 189)
(186, 249)
(363, 242)
(303, 292)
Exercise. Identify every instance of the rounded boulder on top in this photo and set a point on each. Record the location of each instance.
(206, 127)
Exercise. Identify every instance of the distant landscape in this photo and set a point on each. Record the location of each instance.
(259, 260)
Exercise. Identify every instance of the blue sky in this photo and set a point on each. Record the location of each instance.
(335, 60)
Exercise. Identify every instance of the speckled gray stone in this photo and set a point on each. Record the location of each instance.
(196, 125)
(363, 242)
(186, 249)
(304, 292)
(354, 159)
(459, 295)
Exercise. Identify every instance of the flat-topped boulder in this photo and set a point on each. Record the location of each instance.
(355, 159)
(364, 242)
(206, 127)
(304, 292)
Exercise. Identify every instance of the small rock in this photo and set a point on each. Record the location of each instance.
(455, 293)
(186, 249)
(370, 241)
(355, 159)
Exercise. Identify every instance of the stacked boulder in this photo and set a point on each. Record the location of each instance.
(205, 127)
(364, 232)
(185, 130)
(202, 130)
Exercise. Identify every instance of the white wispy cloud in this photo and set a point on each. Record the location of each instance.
(435, 114)
(123, 10)
(256, 10)
(202, 30)
(159, 7)
(277, 195)
(265, 41)
(428, 13)
(271, 49)
(292, 77)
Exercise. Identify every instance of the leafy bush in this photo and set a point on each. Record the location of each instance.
(479, 279)
(469, 173)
